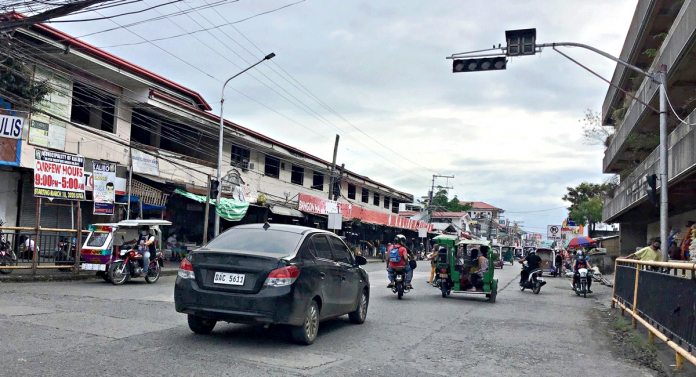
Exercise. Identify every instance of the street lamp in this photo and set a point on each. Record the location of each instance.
(523, 42)
(220, 145)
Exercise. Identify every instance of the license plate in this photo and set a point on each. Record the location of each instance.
(93, 267)
(443, 275)
(228, 278)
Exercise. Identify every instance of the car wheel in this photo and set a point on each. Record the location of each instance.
(200, 325)
(307, 332)
(360, 314)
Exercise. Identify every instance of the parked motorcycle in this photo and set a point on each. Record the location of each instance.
(130, 265)
(399, 287)
(5, 256)
(534, 281)
(64, 253)
(581, 287)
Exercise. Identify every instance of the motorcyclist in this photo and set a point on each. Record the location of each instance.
(581, 262)
(397, 256)
(533, 262)
(147, 239)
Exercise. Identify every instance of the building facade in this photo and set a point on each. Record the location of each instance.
(661, 35)
(164, 140)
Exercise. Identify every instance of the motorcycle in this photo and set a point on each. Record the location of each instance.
(581, 287)
(63, 254)
(130, 265)
(399, 275)
(6, 256)
(534, 281)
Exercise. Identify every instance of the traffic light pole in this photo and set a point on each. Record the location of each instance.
(659, 77)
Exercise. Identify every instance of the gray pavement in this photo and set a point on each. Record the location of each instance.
(92, 327)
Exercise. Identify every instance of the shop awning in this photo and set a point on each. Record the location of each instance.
(285, 211)
(230, 210)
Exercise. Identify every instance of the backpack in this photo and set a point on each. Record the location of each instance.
(394, 255)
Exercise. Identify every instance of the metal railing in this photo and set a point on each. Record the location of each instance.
(39, 249)
(661, 296)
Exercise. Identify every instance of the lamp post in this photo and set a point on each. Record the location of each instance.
(220, 145)
(523, 42)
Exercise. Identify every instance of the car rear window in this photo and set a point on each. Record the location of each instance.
(257, 240)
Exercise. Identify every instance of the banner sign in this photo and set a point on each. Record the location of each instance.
(312, 204)
(11, 127)
(104, 177)
(59, 175)
(144, 163)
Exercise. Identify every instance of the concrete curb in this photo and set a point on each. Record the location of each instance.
(66, 277)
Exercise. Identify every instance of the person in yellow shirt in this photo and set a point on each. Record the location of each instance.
(649, 253)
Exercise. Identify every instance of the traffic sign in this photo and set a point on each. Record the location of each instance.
(553, 232)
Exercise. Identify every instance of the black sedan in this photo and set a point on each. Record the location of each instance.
(272, 274)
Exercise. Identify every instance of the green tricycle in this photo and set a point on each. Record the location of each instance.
(455, 268)
(509, 254)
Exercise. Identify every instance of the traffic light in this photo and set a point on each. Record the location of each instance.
(521, 42)
(214, 188)
(651, 190)
(482, 64)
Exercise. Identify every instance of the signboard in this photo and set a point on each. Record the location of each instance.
(422, 232)
(335, 221)
(104, 177)
(47, 132)
(553, 232)
(89, 182)
(144, 163)
(59, 175)
(11, 127)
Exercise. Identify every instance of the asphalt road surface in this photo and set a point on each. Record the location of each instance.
(95, 328)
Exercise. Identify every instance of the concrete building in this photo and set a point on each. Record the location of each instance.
(662, 33)
(459, 221)
(107, 109)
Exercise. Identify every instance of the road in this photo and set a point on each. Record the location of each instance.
(91, 327)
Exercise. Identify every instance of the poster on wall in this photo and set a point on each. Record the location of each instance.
(144, 163)
(59, 175)
(59, 101)
(47, 132)
(104, 177)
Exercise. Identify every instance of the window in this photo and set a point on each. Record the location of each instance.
(351, 191)
(272, 167)
(318, 181)
(259, 240)
(341, 252)
(297, 175)
(395, 206)
(240, 156)
(321, 246)
(93, 107)
(375, 200)
(365, 195)
(386, 202)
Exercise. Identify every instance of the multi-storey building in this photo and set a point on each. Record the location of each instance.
(662, 34)
(163, 139)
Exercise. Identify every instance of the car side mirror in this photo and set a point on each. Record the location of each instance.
(360, 260)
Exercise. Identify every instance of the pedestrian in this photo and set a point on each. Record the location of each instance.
(675, 252)
(173, 246)
(28, 247)
(384, 256)
(559, 262)
(433, 265)
(383, 252)
(648, 253)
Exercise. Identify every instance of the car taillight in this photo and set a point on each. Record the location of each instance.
(443, 270)
(281, 277)
(186, 269)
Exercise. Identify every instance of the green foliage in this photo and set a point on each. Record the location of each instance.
(442, 204)
(586, 201)
(651, 52)
(648, 140)
(660, 36)
(593, 131)
(15, 78)
(588, 211)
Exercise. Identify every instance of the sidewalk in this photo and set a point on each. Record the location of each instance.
(23, 276)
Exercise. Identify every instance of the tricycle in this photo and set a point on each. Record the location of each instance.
(456, 269)
(509, 254)
(114, 244)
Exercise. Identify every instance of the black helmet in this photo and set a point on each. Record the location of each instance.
(400, 239)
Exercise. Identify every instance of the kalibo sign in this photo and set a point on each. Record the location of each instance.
(59, 175)
(104, 187)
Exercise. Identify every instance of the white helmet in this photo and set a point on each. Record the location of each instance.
(581, 255)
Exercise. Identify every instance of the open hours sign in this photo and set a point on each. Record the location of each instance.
(59, 175)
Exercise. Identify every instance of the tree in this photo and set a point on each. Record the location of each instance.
(593, 131)
(588, 212)
(586, 201)
(17, 86)
(442, 203)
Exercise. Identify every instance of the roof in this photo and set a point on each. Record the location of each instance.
(480, 205)
(475, 242)
(91, 50)
(445, 237)
(136, 223)
(448, 214)
(408, 213)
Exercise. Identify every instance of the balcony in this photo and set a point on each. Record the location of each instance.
(629, 202)
(679, 55)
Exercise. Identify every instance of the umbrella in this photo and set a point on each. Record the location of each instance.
(581, 241)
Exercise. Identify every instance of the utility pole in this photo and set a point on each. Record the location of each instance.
(333, 168)
(207, 211)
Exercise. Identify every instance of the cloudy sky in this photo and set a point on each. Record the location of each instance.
(512, 138)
